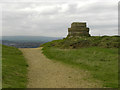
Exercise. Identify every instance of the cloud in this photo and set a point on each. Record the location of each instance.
(54, 18)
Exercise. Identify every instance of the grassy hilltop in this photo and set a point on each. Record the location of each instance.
(14, 68)
(79, 42)
(98, 55)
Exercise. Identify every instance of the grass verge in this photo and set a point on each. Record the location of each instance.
(101, 62)
(14, 68)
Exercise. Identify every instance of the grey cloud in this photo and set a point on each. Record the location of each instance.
(53, 22)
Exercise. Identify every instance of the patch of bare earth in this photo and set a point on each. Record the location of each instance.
(45, 73)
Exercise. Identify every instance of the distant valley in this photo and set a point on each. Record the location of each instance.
(26, 41)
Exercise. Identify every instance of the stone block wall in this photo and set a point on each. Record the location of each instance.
(78, 29)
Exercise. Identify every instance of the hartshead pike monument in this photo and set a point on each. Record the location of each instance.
(78, 29)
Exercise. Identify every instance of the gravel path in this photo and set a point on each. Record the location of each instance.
(45, 73)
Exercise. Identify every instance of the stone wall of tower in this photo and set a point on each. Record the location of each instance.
(78, 29)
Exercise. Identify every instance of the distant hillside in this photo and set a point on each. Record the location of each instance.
(30, 38)
(22, 44)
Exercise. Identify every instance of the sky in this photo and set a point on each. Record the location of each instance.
(54, 17)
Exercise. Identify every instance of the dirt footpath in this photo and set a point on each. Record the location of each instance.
(45, 73)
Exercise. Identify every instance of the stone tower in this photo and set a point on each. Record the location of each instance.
(78, 29)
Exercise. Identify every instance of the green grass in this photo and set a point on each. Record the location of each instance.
(102, 63)
(14, 68)
(93, 41)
